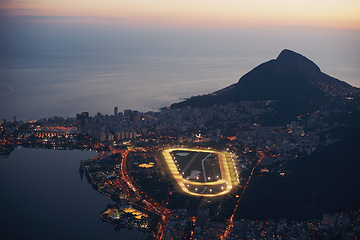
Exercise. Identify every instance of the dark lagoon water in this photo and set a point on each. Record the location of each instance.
(43, 197)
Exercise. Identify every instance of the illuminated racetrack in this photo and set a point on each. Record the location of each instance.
(197, 172)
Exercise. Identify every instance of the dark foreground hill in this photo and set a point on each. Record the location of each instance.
(324, 182)
(292, 80)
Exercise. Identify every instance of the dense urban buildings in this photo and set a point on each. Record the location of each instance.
(236, 170)
(130, 139)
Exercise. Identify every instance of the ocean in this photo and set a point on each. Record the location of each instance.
(146, 83)
(60, 70)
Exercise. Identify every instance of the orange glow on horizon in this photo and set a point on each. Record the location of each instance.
(215, 13)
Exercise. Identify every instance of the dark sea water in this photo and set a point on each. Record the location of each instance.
(59, 85)
(56, 69)
(65, 85)
(43, 197)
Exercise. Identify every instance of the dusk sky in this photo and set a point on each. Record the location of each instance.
(202, 26)
(225, 13)
(178, 44)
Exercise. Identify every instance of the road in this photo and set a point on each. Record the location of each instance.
(231, 219)
(150, 204)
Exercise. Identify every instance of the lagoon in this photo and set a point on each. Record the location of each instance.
(43, 197)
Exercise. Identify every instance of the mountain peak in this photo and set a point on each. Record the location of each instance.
(286, 53)
(294, 59)
(292, 80)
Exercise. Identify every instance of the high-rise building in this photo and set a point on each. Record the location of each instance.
(125, 135)
(115, 111)
(103, 137)
(82, 117)
(110, 137)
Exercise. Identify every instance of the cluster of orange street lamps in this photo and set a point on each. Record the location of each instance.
(151, 205)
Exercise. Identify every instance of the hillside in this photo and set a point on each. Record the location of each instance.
(320, 183)
(292, 80)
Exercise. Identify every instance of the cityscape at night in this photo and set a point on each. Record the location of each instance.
(209, 120)
(189, 172)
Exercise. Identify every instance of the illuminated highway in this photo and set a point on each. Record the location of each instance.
(230, 223)
(151, 204)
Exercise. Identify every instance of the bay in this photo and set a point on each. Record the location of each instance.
(43, 197)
